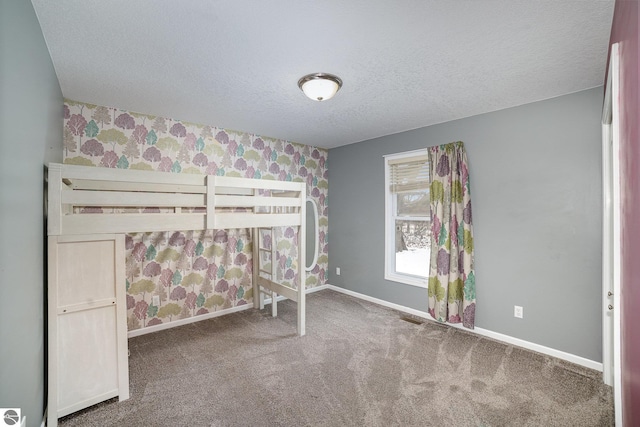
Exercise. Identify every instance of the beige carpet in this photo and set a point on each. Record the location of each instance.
(360, 364)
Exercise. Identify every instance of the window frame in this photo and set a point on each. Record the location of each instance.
(390, 216)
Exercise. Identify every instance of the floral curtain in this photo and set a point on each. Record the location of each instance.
(452, 287)
(192, 273)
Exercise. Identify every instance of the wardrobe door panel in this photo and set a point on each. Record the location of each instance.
(88, 349)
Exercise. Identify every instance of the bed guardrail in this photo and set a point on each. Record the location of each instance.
(143, 201)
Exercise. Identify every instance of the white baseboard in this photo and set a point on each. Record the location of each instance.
(188, 320)
(480, 331)
(316, 289)
(180, 322)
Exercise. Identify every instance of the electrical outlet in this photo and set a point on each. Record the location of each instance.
(337, 271)
(517, 311)
(155, 300)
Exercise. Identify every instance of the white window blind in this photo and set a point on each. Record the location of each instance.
(409, 174)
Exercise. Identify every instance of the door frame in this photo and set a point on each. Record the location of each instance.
(611, 245)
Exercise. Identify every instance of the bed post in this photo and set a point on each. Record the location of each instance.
(54, 196)
(302, 233)
(211, 202)
(274, 272)
(255, 241)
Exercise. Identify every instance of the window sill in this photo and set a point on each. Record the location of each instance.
(407, 280)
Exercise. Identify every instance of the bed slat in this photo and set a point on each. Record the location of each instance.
(128, 199)
(251, 220)
(144, 222)
(131, 223)
(73, 172)
(253, 201)
(90, 184)
(262, 184)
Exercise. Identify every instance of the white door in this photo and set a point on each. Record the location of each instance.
(611, 234)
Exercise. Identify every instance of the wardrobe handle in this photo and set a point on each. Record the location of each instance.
(609, 293)
(610, 307)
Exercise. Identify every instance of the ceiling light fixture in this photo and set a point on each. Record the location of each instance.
(320, 86)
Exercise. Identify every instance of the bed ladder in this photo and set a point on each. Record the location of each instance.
(259, 250)
(264, 279)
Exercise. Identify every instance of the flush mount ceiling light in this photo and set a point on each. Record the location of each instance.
(320, 86)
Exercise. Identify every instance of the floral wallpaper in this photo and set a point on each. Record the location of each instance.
(196, 272)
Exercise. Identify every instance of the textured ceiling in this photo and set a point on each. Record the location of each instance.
(405, 64)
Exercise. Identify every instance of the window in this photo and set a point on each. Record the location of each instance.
(407, 218)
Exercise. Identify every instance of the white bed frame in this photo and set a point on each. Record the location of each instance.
(87, 329)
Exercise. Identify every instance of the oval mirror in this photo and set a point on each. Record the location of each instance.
(311, 244)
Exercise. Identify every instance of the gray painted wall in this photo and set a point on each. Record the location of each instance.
(536, 194)
(30, 136)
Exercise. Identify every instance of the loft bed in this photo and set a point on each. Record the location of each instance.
(87, 327)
